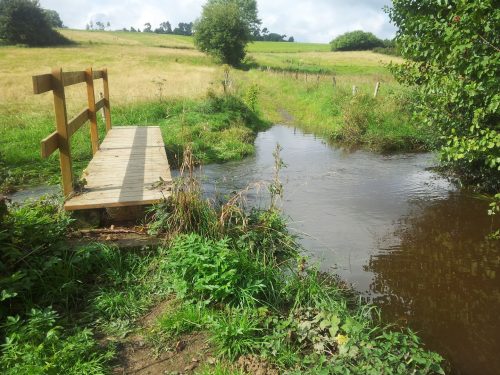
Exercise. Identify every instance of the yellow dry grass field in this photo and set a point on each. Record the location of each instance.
(137, 71)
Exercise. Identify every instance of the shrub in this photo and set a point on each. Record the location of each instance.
(24, 22)
(356, 41)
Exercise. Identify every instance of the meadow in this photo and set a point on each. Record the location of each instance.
(162, 79)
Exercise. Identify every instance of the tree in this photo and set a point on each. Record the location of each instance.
(147, 28)
(355, 41)
(223, 30)
(100, 25)
(24, 22)
(165, 28)
(291, 39)
(53, 18)
(184, 29)
(452, 49)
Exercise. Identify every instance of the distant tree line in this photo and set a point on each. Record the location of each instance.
(187, 28)
(266, 36)
(25, 22)
(183, 28)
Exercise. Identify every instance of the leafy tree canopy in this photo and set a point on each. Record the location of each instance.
(53, 18)
(24, 22)
(356, 41)
(225, 28)
(453, 61)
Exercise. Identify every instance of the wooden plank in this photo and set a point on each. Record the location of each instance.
(62, 130)
(42, 83)
(49, 145)
(72, 78)
(77, 122)
(127, 176)
(107, 105)
(99, 105)
(97, 74)
(94, 134)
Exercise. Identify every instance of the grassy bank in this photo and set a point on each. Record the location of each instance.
(232, 296)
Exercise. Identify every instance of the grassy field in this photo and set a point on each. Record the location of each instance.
(150, 73)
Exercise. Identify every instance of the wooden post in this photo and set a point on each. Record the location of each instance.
(334, 81)
(62, 131)
(107, 107)
(377, 87)
(354, 90)
(94, 134)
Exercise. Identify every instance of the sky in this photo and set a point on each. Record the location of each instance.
(307, 20)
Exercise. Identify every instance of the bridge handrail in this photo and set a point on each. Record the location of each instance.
(60, 139)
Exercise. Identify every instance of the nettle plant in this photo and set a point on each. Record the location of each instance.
(452, 49)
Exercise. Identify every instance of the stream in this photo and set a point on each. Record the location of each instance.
(402, 235)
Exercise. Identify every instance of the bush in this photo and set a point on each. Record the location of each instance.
(356, 41)
(24, 22)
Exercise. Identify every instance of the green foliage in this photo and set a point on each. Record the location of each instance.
(214, 272)
(53, 18)
(183, 319)
(223, 31)
(39, 346)
(24, 22)
(452, 47)
(356, 41)
(236, 332)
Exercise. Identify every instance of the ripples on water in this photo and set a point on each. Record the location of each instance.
(402, 235)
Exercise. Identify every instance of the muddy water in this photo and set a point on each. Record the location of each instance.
(402, 235)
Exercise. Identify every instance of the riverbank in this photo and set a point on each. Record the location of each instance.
(232, 294)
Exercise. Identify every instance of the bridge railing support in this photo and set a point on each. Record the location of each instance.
(61, 138)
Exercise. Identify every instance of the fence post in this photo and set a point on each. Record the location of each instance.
(377, 87)
(107, 106)
(354, 90)
(62, 131)
(94, 134)
(334, 81)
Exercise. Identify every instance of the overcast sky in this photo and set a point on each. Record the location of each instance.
(306, 20)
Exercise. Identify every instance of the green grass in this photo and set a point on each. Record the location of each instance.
(382, 124)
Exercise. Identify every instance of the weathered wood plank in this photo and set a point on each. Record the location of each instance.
(49, 145)
(42, 83)
(107, 105)
(72, 78)
(97, 74)
(76, 123)
(126, 176)
(99, 105)
(94, 134)
(62, 130)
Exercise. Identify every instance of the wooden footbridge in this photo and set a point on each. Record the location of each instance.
(129, 167)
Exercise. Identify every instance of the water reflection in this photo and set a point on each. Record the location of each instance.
(442, 279)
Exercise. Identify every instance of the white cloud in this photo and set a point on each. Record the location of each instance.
(306, 20)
